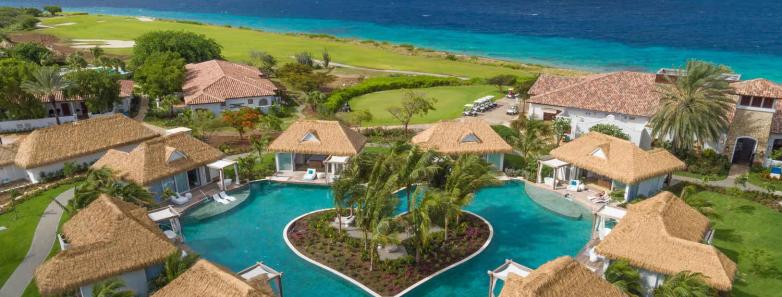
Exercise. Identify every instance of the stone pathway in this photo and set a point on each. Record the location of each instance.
(43, 240)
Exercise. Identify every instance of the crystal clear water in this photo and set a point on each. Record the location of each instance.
(588, 34)
(251, 232)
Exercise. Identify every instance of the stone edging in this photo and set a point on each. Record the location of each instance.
(367, 289)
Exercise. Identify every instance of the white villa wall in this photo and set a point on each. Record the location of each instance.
(263, 103)
(651, 186)
(135, 281)
(27, 125)
(34, 174)
(650, 280)
(11, 173)
(582, 120)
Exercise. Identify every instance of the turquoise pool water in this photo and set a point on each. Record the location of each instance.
(523, 231)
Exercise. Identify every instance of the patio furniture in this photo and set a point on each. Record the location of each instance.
(310, 175)
(321, 175)
(226, 196)
(171, 235)
(179, 199)
(575, 185)
(775, 172)
(219, 199)
(346, 221)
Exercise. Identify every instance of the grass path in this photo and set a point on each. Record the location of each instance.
(450, 103)
(237, 43)
(743, 227)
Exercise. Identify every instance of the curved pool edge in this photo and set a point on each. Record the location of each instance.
(586, 209)
(367, 289)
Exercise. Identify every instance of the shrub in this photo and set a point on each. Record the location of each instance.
(610, 129)
(708, 162)
(507, 133)
(385, 135)
(339, 98)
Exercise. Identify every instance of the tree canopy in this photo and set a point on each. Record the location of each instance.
(303, 77)
(610, 129)
(17, 104)
(99, 89)
(52, 9)
(191, 47)
(244, 118)
(412, 104)
(162, 74)
(32, 52)
(15, 19)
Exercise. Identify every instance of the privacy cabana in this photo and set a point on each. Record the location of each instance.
(324, 146)
(220, 166)
(205, 278)
(562, 276)
(608, 163)
(606, 219)
(260, 272)
(168, 217)
(465, 136)
(662, 236)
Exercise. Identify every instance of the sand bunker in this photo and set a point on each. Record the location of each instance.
(64, 24)
(104, 43)
(146, 19)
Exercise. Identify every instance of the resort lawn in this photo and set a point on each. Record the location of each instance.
(450, 103)
(745, 227)
(757, 178)
(237, 43)
(17, 239)
(700, 176)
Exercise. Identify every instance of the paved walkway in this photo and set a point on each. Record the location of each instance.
(43, 240)
(729, 182)
(143, 106)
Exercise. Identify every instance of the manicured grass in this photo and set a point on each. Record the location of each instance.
(699, 176)
(21, 225)
(744, 226)
(758, 179)
(237, 43)
(450, 103)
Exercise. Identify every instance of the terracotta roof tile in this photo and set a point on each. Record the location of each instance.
(215, 81)
(125, 88)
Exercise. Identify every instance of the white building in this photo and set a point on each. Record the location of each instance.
(218, 85)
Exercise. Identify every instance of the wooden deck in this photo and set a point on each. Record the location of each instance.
(202, 193)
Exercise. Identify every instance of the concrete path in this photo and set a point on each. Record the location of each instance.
(728, 182)
(43, 240)
(143, 106)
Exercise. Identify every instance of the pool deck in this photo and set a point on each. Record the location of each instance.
(297, 177)
(203, 193)
(580, 197)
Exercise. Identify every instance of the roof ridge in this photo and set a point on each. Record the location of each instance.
(585, 79)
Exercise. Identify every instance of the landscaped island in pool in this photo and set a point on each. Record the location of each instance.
(253, 231)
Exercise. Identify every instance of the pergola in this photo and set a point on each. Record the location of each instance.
(220, 166)
(605, 214)
(501, 273)
(554, 163)
(260, 269)
(334, 165)
(172, 215)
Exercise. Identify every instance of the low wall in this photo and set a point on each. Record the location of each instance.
(27, 125)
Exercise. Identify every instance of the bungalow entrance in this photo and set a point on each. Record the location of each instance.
(744, 151)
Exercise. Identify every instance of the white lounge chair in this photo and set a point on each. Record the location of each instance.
(179, 199)
(226, 196)
(310, 175)
(346, 221)
(219, 199)
(575, 185)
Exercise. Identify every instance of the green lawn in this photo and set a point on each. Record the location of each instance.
(700, 176)
(756, 178)
(16, 240)
(450, 103)
(744, 226)
(237, 43)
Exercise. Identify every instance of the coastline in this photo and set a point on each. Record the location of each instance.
(578, 55)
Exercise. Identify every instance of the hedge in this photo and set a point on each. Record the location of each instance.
(371, 85)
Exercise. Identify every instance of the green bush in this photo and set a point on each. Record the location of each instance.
(339, 98)
(610, 129)
(507, 133)
(707, 163)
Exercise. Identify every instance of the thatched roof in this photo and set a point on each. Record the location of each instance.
(214, 81)
(664, 234)
(319, 137)
(107, 238)
(67, 141)
(159, 158)
(205, 279)
(8, 153)
(462, 136)
(617, 158)
(560, 277)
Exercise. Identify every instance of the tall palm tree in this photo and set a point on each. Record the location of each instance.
(468, 174)
(684, 284)
(313, 99)
(414, 166)
(102, 181)
(382, 235)
(46, 83)
(449, 205)
(694, 107)
(532, 140)
(175, 265)
(111, 288)
(625, 277)
(421, 223)
(347, 189)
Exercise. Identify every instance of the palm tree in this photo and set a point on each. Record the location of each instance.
(694, 107)
(46, 83)
(175, 265)
(414, 166)
(449, 205)
(421, 223)
(346, 190)
(532, 137)
(684, 284)
(625, 277)
(111, 288)
(705, 207)
(102, 181)
(468, 174)
(313, 99)
(382, 235)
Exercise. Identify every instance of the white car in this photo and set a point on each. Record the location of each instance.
(513, 110)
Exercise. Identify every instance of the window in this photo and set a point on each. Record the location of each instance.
(249, 101)
(470, 138)
(759, 102)
(768, 103)
(756, 102)
(777, 145)
(745, 100)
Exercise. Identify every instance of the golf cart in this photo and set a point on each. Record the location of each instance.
(513, 110)
(469, 110)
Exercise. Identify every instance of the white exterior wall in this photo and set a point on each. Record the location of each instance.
(582, 120)
(135, 281)
(11, 173)
(263, 103)
(27, 125)
(650, 280)
(34, 174)
(651, 186)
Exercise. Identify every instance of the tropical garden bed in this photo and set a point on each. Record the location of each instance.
(313, 236)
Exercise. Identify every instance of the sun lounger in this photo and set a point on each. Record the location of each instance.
(226, 196)
(346, 221)
(179, 199)
(219, 199)
(310, 175)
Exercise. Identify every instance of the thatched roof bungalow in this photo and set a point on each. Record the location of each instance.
(176, 161)
(320, 145)
(465, 136)
(613, 164)
(662, 236)
(107, 239)
(562, 276)
(46, 150)
(205, 279)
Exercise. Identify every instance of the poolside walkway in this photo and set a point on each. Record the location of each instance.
(43, 240)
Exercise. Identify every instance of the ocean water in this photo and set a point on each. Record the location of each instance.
(523, 231)
(588, 34)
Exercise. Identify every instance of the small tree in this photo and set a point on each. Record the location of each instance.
(271, 123)
(100, 89)
(502, 80)
(625, 277)
(561, 127)
(97, 53)
(302, 77)
(52, 9)
(326, 58)
(76, 61)
(684, 284)
(304, 58)
(111, 288)
(357, 117)
(244, 118)
(313, 99)
(175, 265)
(610, 129)
(412, 104)
(161, 74)
(203, 122)
(167, 103)
(265, 61)
(260, 143)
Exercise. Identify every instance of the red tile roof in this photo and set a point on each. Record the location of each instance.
(215, 81)
(758, 87)
(548, 82)
(632, 93)
(125, 88)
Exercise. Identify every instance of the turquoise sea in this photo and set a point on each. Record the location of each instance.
(598, 35)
